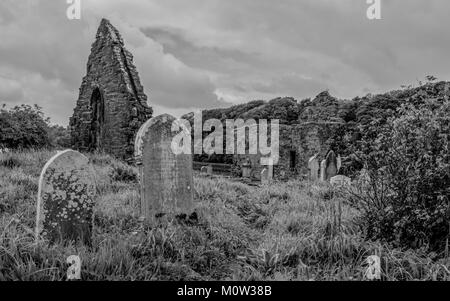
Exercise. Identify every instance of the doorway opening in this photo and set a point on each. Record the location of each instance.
(292, 160)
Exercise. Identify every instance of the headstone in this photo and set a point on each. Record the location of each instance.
(331, 165)
(66, 199)
(165, 177)
(247, 169)
(339, 163)
(323, 167)
(209, 170)
(270, 172)
(313, 165)
(265, 176)
(204, 169)
(340, 181)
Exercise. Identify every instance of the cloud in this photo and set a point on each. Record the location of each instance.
(210, 53)
(170, 81)
(10, 90)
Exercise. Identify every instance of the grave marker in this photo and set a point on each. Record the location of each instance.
(165, 177)
(313, 165)
(66, 199)
(323, 167)
(331, 165)
(340, 181)
(265, 176)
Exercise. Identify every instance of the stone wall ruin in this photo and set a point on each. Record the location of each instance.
(112, 104)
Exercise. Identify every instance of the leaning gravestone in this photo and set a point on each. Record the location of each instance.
(66, 199)
(313, 165)
(165, 177)
(331, 165)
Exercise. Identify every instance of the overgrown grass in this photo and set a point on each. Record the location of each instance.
(285, 231)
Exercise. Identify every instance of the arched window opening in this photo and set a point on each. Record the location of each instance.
(97, 104)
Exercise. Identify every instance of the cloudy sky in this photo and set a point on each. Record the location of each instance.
(213, 53)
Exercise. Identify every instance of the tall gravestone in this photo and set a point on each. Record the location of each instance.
(331, 165)
(265, 176)
(270, 172)
(313, 165)
(323, 170)
(165, 177)
(66, 199)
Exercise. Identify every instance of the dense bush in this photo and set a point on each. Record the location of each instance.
(23, 127)
(407, 197)
(59, 136)
(121, 172)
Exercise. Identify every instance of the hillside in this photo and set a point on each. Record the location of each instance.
(285, 231)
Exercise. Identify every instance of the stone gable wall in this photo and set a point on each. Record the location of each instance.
(110, 69)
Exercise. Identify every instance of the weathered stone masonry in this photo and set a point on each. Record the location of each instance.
(112, 105)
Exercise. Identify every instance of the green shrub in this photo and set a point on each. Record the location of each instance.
(407, 198)
(121, 172)
(24, 127)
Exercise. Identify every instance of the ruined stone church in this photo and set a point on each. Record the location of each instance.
(111, 106)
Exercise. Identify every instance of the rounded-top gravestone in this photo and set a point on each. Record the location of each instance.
(66, 199)
(165, 177)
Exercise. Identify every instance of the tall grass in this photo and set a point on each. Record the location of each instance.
(284, 231)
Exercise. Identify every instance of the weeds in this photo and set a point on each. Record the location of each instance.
(285, 231)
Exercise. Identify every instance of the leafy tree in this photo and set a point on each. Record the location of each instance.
(23, 126)
(59, 136)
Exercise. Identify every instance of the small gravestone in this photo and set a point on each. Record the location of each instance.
(66, 199)
(165, 177)
(313, 165)
(204, 169)
(247, 169)
(331, 165)
(323, 167)
(265, 176)
(209, 170)
(339, 163)
(340, 181)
